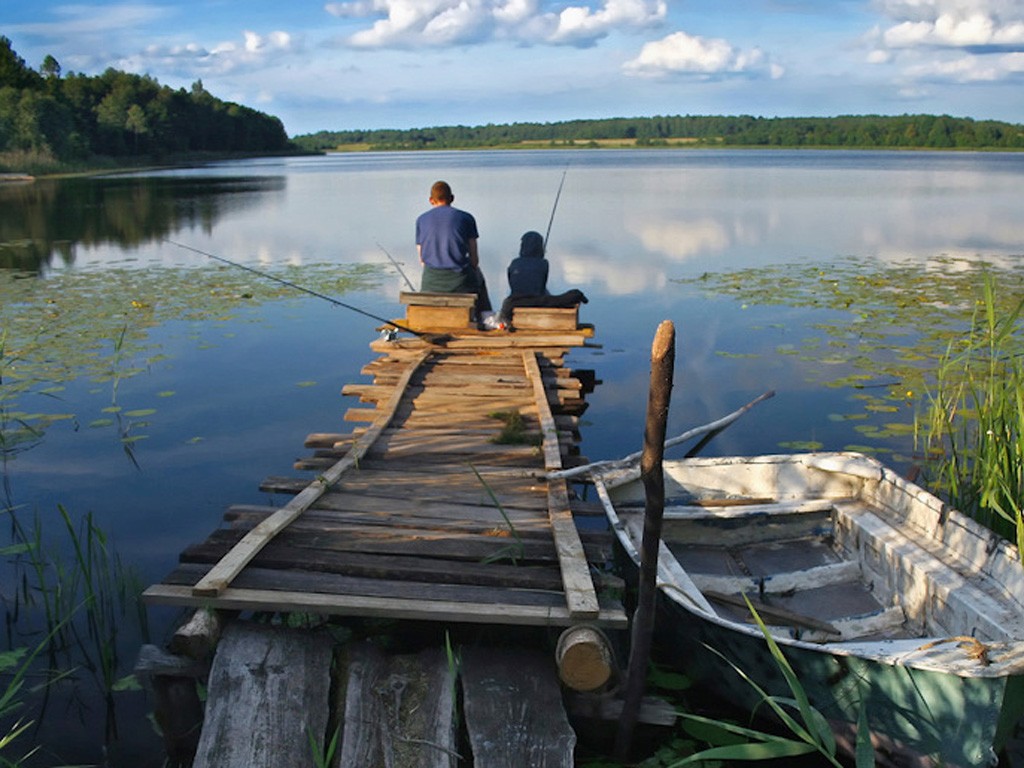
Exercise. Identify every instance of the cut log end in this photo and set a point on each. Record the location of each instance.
(584, 658)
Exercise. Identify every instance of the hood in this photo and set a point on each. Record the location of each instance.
(532, 246)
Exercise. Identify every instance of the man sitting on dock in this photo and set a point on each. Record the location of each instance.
(446, 241)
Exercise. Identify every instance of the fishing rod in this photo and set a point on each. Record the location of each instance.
(555, 207)
(395, 263)
(429, 337)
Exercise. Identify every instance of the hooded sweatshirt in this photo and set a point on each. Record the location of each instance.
(528, 274)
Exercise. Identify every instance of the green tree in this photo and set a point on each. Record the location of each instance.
(13, 70)
(136, 123)
(51, 67)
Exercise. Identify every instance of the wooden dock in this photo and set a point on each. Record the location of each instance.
(436, 506)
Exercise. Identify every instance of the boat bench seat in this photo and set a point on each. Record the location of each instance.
(933, 591)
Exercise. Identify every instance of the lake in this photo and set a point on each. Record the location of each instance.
(149, 386)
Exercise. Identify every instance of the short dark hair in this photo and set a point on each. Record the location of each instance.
(441, 192)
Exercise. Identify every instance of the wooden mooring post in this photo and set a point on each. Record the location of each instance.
(662, 365)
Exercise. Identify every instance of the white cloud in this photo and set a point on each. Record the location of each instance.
(969, 69)
(407, 23)
(952, 41)
(680, 53)
(954, 23)
(582, 25)
(253, 51)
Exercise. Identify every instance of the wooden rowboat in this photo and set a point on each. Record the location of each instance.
(877, 592)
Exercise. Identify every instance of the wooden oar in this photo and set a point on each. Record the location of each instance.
(773, 613)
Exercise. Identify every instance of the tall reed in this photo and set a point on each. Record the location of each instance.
(81, 597)
(973, 423)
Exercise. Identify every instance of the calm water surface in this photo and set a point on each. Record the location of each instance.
(223, 400)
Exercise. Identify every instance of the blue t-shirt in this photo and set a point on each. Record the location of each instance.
(443, 234)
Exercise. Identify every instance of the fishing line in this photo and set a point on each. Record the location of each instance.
(555, 207)
(433, 338)
(396, 265)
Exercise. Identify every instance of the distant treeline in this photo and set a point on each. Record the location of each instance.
(866, 131)
(75, 117)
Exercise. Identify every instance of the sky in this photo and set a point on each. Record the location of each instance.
(363, 64)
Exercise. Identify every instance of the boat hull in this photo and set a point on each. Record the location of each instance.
(937, 658)
(911, 712)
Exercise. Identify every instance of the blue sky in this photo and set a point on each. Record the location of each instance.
(415, 63)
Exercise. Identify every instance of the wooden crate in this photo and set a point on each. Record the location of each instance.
(424, 310)
(545, 318)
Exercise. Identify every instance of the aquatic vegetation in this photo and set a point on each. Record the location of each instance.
(77, 599)
(97, 326)
(884, 328)
(972, 427)
(809, 733)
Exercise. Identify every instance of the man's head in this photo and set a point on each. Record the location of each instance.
(441, 193)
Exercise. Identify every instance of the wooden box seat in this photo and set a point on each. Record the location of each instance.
(546, 318)
(426, 310)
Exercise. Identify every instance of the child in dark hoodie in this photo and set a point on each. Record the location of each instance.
(528, 281)
(528, 274)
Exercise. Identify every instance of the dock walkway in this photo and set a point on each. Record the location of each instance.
(437, 507)
(438, 510)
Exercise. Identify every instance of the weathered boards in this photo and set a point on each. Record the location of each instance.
(439, 509)
(397, 710)
(513, 710)
(267, 698)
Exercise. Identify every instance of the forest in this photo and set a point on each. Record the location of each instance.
(50, 118)
(862, 132)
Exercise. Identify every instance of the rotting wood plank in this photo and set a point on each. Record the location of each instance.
(397, 710)
(537, 576)
(513, 710)
(580, 595)
(220, 575)
(268, 695)
(402, 511)
(450, 546)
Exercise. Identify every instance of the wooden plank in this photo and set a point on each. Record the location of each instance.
(580, 595)
(545, 318)
(234, 598)
(466, 341)
(372, 590)
(267, 695)
(438, 318)
(397, 710)
(535, 575)
(552, 453)
(437, 299)
(220, 575)
(399, 510)
(448, 545)
(513, 709)
(328, 439)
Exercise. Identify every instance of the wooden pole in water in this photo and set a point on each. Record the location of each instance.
(663, 357)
